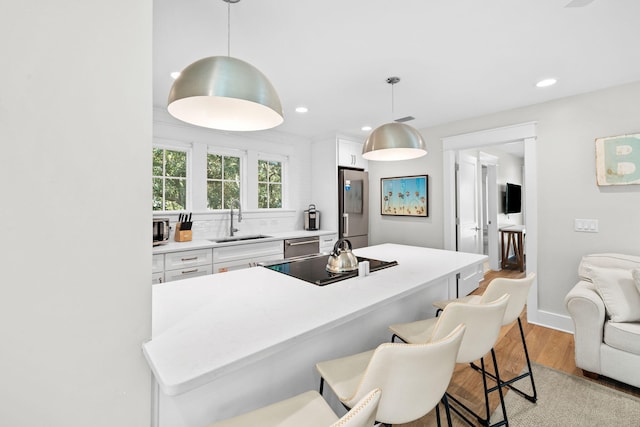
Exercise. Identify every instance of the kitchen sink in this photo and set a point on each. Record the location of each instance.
(239, 238)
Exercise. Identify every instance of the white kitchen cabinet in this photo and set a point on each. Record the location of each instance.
(187, 272)
(157, 278)
(185, 264)
(327, 242)
(350, 154)
(235, 257)
(183, 259)
(157, 269)
(239, 264)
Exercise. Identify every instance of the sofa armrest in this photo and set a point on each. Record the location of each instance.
(588, 313)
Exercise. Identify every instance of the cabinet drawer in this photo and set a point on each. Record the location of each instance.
(248, 251)
(181, 260)
(157, 264)
(243, 263)
(185, 273)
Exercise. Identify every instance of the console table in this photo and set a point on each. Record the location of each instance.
(514, 239)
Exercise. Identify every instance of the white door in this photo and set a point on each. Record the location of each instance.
(469, 231)
(469, 236)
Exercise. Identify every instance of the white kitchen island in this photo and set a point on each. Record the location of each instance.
(227, 343)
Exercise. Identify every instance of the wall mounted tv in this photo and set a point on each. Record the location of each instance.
(513, 199)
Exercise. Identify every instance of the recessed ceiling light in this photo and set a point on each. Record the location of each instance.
(546, 82)
(366, 128)
(301, 109)
(175, 75)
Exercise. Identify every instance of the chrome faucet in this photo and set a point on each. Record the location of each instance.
(231, 229)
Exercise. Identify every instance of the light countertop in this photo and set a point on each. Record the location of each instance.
(208, 326)
(173, 246)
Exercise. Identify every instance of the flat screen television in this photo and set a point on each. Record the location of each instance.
(513, 199)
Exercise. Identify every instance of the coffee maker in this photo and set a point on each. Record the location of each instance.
(312, 218)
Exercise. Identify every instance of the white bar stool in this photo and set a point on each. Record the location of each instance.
(413, 377)
(483, 322)
(518, 289)
(310, 410)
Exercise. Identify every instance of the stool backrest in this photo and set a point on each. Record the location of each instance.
(518, 290)
(363, 414)
(483, 322)
(413, 377)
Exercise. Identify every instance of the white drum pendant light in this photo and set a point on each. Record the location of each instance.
(221, 92)
(394, 141)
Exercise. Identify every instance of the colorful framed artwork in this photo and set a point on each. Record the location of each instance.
(405, 196)
(618, 160)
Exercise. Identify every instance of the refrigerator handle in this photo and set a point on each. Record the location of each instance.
(345, 224)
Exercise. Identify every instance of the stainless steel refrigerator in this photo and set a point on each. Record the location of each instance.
(353, 206)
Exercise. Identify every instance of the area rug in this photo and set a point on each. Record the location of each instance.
(568, 400)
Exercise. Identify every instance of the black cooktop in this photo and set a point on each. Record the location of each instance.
(313, 269)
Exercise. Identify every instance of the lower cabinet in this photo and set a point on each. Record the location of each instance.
(157, 269)
(185, 264)
(185, 273)
(200, 262)
(245, 256)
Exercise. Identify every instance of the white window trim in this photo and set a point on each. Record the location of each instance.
(187, 147)
(242, 154)
(284, 160)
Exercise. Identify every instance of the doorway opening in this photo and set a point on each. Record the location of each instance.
(477, 141)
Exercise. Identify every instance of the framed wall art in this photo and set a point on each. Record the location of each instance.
(618, 160)
(405, 196)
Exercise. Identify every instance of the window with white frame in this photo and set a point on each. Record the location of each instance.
(270, 184)
(223, 180)
(169, 179)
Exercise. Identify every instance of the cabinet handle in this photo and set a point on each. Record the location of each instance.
(302, 243)
(189, 259)
(189, 271)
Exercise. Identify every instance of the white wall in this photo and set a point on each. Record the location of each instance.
(75, 129)
(567, 129)
(296, 150)
(409, 230)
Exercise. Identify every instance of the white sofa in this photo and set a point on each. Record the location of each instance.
(605, 308)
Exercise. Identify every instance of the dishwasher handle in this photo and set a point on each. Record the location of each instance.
(306, 242)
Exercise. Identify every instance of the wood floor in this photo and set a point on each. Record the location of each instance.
(546, 346)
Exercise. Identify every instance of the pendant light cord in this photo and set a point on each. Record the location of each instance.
(392, 102)
(392, 81)
(228, 28)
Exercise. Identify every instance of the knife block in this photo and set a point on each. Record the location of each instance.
(182, 235)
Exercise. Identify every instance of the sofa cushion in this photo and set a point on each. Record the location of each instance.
(607, 260)
(623, 336)
(618, 291)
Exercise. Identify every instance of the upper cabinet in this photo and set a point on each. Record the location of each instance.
(350, 154)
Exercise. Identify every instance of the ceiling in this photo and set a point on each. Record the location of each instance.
(456, 58)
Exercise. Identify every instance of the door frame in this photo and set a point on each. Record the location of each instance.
(491, 187)
(525, 132)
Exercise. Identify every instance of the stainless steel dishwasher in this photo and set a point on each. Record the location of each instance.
(301, 246)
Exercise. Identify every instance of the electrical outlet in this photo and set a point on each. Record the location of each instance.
(585, 225)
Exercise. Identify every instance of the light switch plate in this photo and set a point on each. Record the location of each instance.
(585, 225)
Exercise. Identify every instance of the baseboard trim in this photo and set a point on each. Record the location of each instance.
(555, 321)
